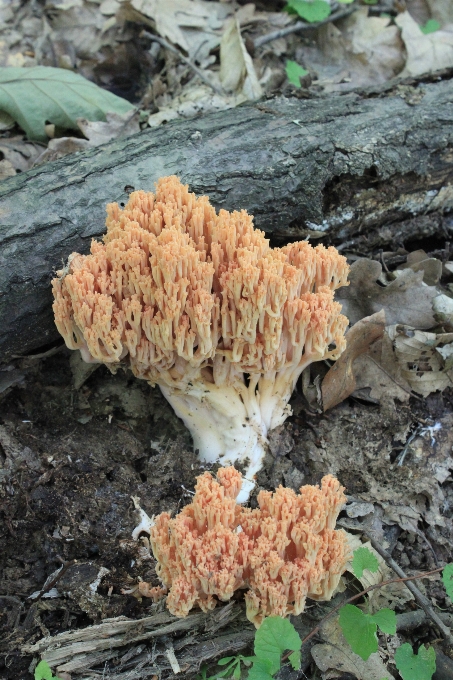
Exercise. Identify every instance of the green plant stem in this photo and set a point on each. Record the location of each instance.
(361, 594)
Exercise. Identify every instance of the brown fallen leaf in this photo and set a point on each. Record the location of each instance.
(406, 300)
(418, 261)
(340, 380)
(379, 374)
(425, 358)
(425, 53)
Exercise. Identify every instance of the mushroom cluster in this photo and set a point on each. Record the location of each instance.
(282, 552)
(200, 304)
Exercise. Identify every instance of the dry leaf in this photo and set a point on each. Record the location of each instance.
(441, 10)
(6, 169)
(116, 126)
(363, 50)
(406, 300)
(19, 153)
(340, 380)
(237, 73)
(443, 309)
(336, 654)
(422, 365)
(194, 25)
(418, 260)
(57, 148)
(193, 101)
(379, 373)
(387, 596)
(425, 53)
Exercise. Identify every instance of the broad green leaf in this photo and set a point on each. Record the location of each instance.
(34, 95)
(261, 670)
(43, 671)
(447, 578)
(310, 11)
(421, 666)
(273, 637)
(346, 2)
(386, 620)
(294, 72)
(363, 559)
(431, 26)
(294, 660)
(359, 630)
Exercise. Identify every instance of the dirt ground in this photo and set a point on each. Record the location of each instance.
(75, 447)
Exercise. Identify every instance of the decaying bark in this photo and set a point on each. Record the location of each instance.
(351, 167)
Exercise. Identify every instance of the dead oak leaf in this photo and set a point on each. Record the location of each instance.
(425, 53)
(340, 381)
(424, 358)
(407, 300)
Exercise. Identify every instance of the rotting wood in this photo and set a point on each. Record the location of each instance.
(343, 166)
(79, 650)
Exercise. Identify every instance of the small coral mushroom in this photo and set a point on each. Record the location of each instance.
(285, 551)
(198, 303)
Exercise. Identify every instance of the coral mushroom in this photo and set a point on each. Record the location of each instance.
(283, 552)
(200, 304)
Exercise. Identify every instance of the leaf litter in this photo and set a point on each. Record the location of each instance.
(387, 432)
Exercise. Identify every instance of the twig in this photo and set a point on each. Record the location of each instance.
(364, 592)
(171, 48)
(300, 26)
(54, 581)
(421, 599)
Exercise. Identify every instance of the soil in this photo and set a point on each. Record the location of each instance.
(76, 445)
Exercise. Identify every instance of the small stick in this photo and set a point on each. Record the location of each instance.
(54, 581)
(300, 26)
(421, 599)
(171, 48)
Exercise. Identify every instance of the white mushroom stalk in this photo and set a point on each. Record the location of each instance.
(200, 304)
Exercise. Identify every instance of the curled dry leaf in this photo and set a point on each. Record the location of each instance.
(419, 261)
(425, 358)
(407, 300)
(237, 72)
(340, 381)
(425, 53)
(195, 25)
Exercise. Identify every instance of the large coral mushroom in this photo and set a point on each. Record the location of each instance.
(199, 303)
(283, 552)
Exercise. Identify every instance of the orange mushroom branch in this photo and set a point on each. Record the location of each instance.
(200, 304)
(282, 552)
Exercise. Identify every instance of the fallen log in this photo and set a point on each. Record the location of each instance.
(358, 168)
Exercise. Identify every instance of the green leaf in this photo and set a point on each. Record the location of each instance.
(363, 559)
(386, 620)
(447, 578)
(273, 637)
(421, 666)
(359, 630)
(310, 11)
(431, 26)
(294, 72)
(345, 2)
(34, 95)
(294, 660)
(225, 660)
(43, 671)
(261, 670)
